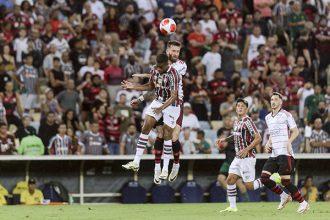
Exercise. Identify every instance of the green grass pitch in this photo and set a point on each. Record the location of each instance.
(247, 211)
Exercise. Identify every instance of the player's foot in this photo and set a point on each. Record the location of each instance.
(163, 175)
(229, 209)
(303, 207)
(156, 176)
(131, 166)
(284, 200)
(174, 173)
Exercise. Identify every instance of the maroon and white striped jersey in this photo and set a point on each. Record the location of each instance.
(165, 83)
(244, 133)
(60, 146)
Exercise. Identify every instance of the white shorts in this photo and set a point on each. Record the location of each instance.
(29, 101)
(244, 168)
(170, 114)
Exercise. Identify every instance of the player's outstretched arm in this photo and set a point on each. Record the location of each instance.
(131, 86)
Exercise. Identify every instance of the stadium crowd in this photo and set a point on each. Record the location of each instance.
(62, 62)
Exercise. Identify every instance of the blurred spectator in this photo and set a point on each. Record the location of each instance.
(280, 13)
(296, 19)
(251, 45)
(212, 61)
(319, 141)
(113, 75)
(48, 61)
(199, 98)
(2, 112)
(57, 77)
(189, 119)
(218, 90)
(87, 69)
(132, 67)
(293, 83)
(326, 124)
(71, 120)
(124, 112)
(303, 93)
(25, 129)
(76, 145)
(20, 45)
(69, 98)
(60, 144)
(93, 142)
(264, 7)
(50, 104)
(60, 42)
(129, 140)
(31, 145)
(311, 103)
(260, 62)
(309, 191)
(48, 128)
(208, 25)
(299, 142)
(255, 84)
(7, 61)
(32, 196)
(201, 144)
(67, 66)
(27, 75)
(260, 124)
(228, 107)
(322, 36)
(187, 141)
(197, 40)
(168, 7)
(113, 124)
(7, 141)
(12, 103)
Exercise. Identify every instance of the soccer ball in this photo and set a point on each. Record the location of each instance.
(167, 26)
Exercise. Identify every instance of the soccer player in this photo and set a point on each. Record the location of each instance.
(246, 138)
(165, 80)
(280, 123)
(173, 52)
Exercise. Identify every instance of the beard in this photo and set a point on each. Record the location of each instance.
(172, 59)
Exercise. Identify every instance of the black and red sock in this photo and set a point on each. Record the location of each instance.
(270, 184)
(158, 149)
(176, 146)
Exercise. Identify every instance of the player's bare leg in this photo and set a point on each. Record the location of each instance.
(240, 185)
(134, 165)
(231, 192)
(270, 184)
(176, 146)
(159, 144)
(286, 182)
(167, 151)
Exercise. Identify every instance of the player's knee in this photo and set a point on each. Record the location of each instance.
(230, 180)
(285, 182)
(249, 186)
(264, 178)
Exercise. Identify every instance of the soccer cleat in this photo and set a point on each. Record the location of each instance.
(131, 166)
(173, 175)
(303, 207)
(156, 176)
(163, 175)
(229, 209)
(284, 200)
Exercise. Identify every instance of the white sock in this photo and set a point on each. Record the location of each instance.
(140, 147)
(167, 154)
(157, 166)
(176, 166)
(283, 194)
(257, 184)
(232, 193)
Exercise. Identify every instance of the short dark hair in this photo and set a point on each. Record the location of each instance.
(2, 124)
(278, 94)
(50, 112)
(242, 101)
(201, 132)
(261, 46)
(173, 43)
(56, 59)
(162, 58)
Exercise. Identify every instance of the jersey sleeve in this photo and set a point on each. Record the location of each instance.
(291, 122)
(174, 80)
(251, 127)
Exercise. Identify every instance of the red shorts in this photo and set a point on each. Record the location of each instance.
(179, 120)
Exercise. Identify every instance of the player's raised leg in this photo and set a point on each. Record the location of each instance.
(167, 151)
(159, 143)
(141, 144)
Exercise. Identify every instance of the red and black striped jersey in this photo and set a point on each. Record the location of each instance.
(165, 83)
(244, 133)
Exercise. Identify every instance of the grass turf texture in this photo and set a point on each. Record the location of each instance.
(246, 211)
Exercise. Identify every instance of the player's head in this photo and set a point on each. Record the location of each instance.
(242, 107)
(173, 50)
(95, 127)
(162, 63)
(276, 100)
(3, 128)
(318, 124)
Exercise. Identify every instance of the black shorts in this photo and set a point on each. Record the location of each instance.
(283, 165)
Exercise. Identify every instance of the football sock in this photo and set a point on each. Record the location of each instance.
(257, 184)
(167, 153)
(232, 193)
(159, 143)
(176, 151)
(296, 195)
(140, 147)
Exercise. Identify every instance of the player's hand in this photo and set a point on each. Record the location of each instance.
(157, 110)
(268, 148)
(243, 153)
(289, 147)
(135, 102)
(127, 85)
(220, 141)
